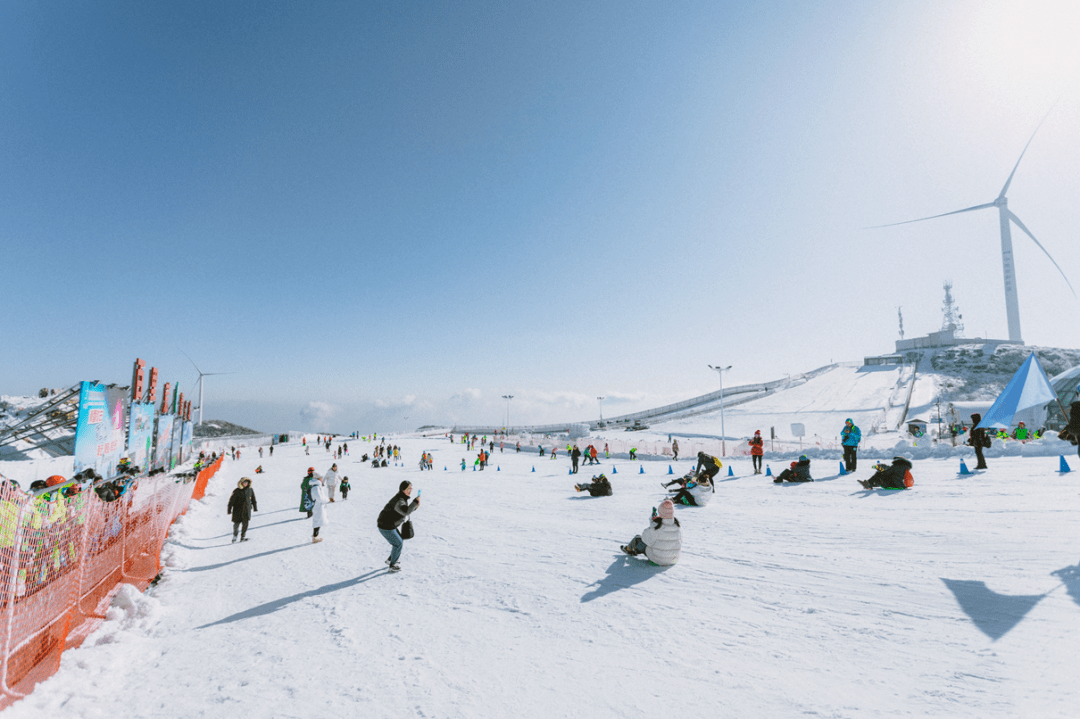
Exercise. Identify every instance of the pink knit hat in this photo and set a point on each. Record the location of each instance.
(667, 509)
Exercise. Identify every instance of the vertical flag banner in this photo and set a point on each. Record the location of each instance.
(163, 442)
(140, 442)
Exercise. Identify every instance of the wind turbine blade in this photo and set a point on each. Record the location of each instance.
(1009, 181)
(1027, 232)
(934, 217)
(191, 361)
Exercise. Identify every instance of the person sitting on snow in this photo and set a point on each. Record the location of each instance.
(599, 487)
(898, 476)
(798, 472)
(696, 493)
(661, 541)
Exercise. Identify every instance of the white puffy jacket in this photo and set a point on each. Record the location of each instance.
(330, 479)
(701, 494)
(663, 544)
(320, 499)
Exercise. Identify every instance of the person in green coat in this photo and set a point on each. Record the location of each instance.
(305, 491)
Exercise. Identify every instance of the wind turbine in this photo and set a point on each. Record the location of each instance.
(201, 375)
(1005, 216)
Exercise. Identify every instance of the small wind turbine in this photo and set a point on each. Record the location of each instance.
(1012, 304)
(201, 375)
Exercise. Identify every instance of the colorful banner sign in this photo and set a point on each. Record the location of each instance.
(99, 432)
(140, 442)
(163, 442)
(188, 438)
(178, 453)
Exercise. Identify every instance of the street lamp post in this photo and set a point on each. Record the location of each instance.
(601, 401)
(720, 371)
(507, 397)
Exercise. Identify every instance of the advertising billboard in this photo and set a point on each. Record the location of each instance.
(178, 453)
(100, 429)
(187, 439)
(163, 442)
(140, 441)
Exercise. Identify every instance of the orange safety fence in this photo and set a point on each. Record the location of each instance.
(62, 558)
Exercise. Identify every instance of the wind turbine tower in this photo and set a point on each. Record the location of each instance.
(1006, 218)
(201, 382)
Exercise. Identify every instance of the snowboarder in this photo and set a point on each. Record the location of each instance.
(849, 437)
(661, 541)
(979, 439)
(241, 504)
(319, 500)
(898, 476)
(392, 516)
(599, 487)
(757, 451)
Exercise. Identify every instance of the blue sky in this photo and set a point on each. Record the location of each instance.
(380, 211)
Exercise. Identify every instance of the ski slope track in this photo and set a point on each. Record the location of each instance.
(959, 598)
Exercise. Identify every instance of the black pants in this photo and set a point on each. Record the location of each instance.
(344, 492)
(981, 460)
(575, 466)
(757, 461)
(684, 497)
(240, 527)
(849, 458)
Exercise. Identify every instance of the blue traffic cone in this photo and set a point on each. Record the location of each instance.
(614, 471)
(730, 472)
(670, 470)
(842, 470)
(534, 469)
(498, 468)
(642, 469)
(963, 468)
(768, 471)
(474, 468)
(569, 471)
(444, 469)
(1064, 467)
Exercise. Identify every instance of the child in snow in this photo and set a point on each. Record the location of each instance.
(599, 487)
(462, 464)
(797, 472)
(696, 493)
(241, 504)
(661, 541)
(344, 487)
(898, 476)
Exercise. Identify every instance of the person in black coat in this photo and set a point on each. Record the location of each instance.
(710, 464)
(892, 477)
(978, 439)
(241, 504)
(798, 472)
(1074, 422)
(392, 516)
(599, 487)
(575, 457)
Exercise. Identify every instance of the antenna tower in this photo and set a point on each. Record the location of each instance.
(950, 312)
(900, 314)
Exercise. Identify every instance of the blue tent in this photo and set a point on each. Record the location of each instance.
(1029, 387)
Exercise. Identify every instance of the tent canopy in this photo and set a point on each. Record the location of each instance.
(1029, 387)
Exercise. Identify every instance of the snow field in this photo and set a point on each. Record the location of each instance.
(514, 599)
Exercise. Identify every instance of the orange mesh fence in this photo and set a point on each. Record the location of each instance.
(63, 557)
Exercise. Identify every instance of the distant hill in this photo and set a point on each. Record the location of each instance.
(221, 428)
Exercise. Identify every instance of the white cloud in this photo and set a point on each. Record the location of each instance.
(318, 414)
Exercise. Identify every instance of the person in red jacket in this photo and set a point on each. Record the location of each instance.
(757, 451)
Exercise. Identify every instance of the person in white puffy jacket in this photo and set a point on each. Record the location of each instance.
(696, 493)
(661, 541)
(319, 500)
(331, 480)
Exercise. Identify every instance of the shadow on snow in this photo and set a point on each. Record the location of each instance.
(623, 573)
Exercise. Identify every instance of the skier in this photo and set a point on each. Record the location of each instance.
(849, 437)
(979, 439)
(396, 511)
(661, 541)
(599, 487)
(319, 500)
(241, 504)
(898, 476)
(757, 451)
(330, 481)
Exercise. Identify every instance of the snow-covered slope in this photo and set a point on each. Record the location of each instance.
(960, 598)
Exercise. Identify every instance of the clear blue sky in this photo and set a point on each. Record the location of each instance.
(373, 211)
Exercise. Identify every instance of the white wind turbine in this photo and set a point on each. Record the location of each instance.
(1005, 215)
(201, 375)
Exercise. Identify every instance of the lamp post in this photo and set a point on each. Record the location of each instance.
(601, 401)
(720, 371)
(507, 397)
